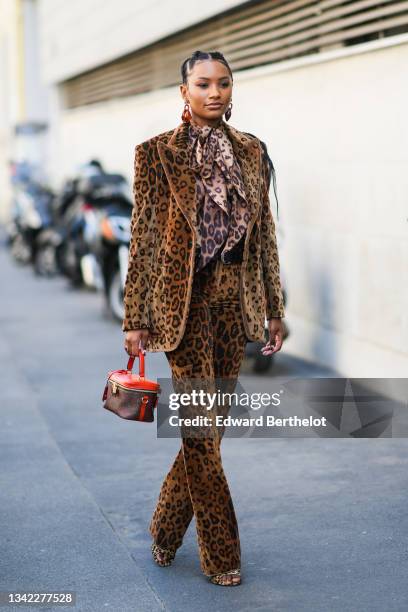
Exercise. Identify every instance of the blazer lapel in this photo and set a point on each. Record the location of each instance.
(174, 158)
(182, 181)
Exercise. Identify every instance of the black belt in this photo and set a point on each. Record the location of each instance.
(234, 256)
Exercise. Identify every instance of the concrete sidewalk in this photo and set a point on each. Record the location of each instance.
(323, 522)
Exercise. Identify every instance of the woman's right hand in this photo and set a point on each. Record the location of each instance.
(135, 340)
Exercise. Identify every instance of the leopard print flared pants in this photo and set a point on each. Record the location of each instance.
(212, 347)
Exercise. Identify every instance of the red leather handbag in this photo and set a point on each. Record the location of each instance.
(131, 396)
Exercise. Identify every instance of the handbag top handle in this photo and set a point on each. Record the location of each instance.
(141, 363)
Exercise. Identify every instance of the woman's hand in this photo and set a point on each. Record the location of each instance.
(275, 327)
(135, 340)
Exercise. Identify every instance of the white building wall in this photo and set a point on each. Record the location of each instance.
(335, 128)
(81, 34)
(23, 96)
(36, 91)
(11, 100)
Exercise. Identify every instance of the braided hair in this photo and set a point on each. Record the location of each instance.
(271, 173)
(187, 65)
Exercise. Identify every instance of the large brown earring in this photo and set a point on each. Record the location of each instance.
(228, 112)
(186, 115)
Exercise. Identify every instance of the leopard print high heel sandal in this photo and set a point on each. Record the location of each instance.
(221, 578)
(167, 555)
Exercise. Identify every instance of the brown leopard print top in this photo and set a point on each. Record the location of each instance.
(222, 208)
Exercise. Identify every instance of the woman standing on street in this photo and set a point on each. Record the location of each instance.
(203, 274)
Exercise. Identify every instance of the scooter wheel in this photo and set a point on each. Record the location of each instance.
(45, 263)
(20, 250)
(115, 296)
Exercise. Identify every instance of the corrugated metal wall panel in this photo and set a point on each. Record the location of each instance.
(252, 35)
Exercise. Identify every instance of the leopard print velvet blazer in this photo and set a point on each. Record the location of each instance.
(164, 235)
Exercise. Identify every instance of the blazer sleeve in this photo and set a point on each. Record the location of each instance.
(136, 290)
(274, 306)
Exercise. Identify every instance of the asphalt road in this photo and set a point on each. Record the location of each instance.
(323, 522)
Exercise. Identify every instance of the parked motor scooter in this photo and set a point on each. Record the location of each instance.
(56, 249)
(48, 260)
(113, 252)
(31, 210)
(99, 197)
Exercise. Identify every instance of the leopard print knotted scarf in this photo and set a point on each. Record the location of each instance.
(222, 208)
